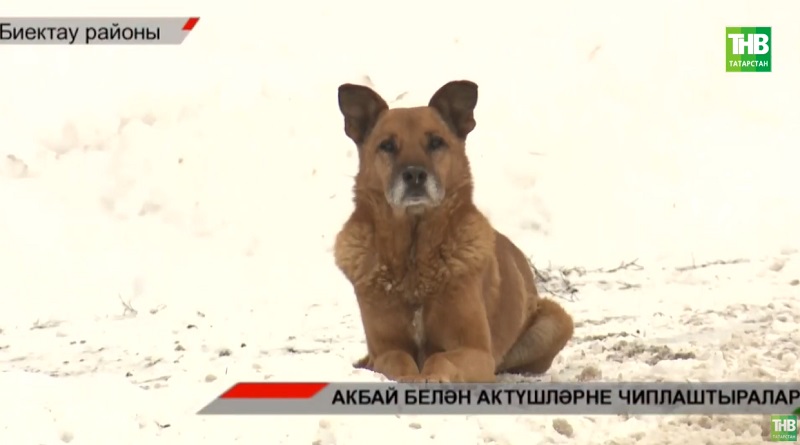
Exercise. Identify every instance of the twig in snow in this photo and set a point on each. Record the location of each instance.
(163, 378)
(556, 282)
(623, 266)
(400, 96)
(711, 263)
(625, 286)
(151, 361)
(45, 324)
(129, 310)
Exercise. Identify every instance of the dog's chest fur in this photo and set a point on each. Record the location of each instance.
(406, 267)
(414, 270)
(413, 263)
(413, 289)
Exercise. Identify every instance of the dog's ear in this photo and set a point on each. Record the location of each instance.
(455, 101)
(361, 107)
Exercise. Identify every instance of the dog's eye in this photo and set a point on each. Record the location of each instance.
(435, 143)
(388, 146)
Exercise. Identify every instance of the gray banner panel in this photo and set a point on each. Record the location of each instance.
(531, 399)
(95, 30)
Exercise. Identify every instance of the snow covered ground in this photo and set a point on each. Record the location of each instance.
(167, 213)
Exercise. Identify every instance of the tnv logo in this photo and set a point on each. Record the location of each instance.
(749, 43)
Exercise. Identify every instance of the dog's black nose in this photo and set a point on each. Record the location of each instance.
(414, 175)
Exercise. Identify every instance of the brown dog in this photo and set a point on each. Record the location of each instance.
(443, 296)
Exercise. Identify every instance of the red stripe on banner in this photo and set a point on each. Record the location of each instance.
(273, 390)
(189, 25)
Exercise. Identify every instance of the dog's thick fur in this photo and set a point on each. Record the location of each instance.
(443, 296)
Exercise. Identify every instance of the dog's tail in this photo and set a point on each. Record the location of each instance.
(550, 328)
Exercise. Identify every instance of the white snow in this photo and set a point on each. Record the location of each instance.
(167, 213)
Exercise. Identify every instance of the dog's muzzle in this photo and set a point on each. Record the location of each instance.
(414, 186)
